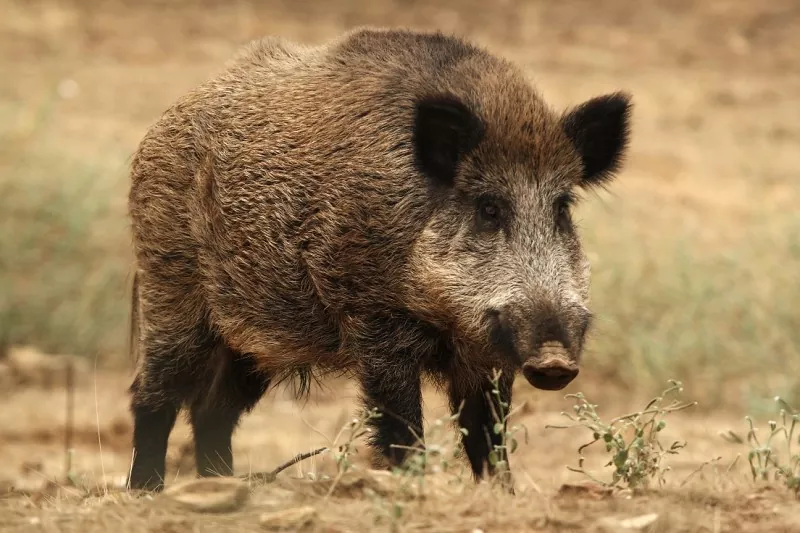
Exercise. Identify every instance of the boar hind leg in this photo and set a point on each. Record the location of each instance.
(153, 420)
(173, 371)
(395, 391)
(479, 417)
(237, 389)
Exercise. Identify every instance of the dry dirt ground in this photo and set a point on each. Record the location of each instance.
(721, 70)
(700, 494)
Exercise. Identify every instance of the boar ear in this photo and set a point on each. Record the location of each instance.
(445, 130)
(599, 129)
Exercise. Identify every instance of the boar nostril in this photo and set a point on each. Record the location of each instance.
(549, 378)
(551, 369)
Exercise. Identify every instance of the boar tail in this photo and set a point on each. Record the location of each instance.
(133, 338)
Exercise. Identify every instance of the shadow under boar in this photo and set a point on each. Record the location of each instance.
(392, 204)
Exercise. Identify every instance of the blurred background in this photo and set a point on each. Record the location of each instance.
(695, 248)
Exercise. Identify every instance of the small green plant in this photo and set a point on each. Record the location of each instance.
(632, 439)
(441, 451)
(766, 461)
(355, 429)
(438, 455)
(501, 414)
(387, 511)
(343, 453)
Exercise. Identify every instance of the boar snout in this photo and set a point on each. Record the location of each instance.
(545, 358)
(551, 368)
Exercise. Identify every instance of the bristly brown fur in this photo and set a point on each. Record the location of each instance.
(387, 205)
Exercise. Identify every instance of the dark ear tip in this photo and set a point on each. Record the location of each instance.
(616, 103)
(623, 102)
(623, 96)
(600, 129)
(619, 101)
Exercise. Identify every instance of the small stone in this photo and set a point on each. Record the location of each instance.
(28, 366)
(68, 89)
(590, 490)
(28, 486)
(289, 519)
(210, 495)
(637, 523)
(6, 486)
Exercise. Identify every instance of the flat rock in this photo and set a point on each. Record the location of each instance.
(289, 519)
(639, 523)
(209, 495)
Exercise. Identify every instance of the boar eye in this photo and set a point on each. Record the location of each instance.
(489, 214)
(562, 210)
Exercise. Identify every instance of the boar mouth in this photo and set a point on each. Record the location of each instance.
(551, 368)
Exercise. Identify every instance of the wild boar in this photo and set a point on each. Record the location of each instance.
(392, 204)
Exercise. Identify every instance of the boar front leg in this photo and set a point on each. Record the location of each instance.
(395, 390)
(479, 417)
